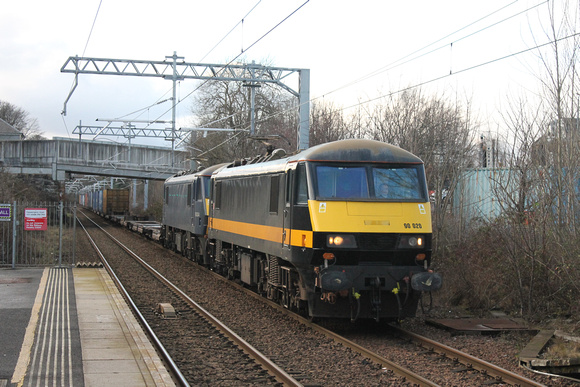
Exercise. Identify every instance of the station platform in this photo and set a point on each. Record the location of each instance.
(71, 327)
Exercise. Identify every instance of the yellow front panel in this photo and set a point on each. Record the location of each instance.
(370, 217)
(301, 238)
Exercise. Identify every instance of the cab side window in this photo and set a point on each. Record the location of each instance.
(274, 193)
(301, 196)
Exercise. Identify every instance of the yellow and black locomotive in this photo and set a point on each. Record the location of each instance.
(340, 230)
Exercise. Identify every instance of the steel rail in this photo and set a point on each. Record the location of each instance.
(281, 375)
(152, 336)
(396, 368)
(478, 364)
(469, 360)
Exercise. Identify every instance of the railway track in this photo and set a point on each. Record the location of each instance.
(459, 363)
(211, 335)
(471, 362)
(382, 370)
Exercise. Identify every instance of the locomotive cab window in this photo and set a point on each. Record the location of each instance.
(301, 194)
(218, 195)
(189, 189)
(398, 183)
(206, 182)
(370, 182)
(341, 182)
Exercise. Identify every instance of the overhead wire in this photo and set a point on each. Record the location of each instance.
(92, 27)
(237, 56)
(158, 102)
(75, 81)
(372, 74)
(361, 103)
(230, 31)
(401, 61)
(232, 60)
(465, 70)
(201, 60)
(396, 63)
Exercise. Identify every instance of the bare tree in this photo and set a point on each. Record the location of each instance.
(222, 104)
(436, 130)
(535, 255)
(327, 123)
(524, 198)
(559, 83)
(20, 119)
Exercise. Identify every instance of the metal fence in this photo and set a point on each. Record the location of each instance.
(37, 234)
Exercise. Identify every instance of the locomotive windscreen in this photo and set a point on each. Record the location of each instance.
(370, 182)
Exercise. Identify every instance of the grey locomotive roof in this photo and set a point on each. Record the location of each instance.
(189, 176)
(358, 150)
(354, 150)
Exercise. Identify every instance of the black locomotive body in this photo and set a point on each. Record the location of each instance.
(316, 232)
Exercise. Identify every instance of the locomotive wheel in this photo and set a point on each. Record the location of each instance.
(207, 254)
(293, 303)
(270, 292)
(284, 299)
(261, 290)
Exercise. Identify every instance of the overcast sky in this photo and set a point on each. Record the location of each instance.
(339, 41)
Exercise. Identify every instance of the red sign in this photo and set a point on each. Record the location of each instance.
(35, 219)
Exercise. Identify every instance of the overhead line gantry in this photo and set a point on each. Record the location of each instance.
(175, 69)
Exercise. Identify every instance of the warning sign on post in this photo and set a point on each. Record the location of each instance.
(35, 219)
(5, 212)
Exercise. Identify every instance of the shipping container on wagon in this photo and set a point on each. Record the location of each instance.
(115, 201)
(94, 200)
(98, 202)
(89, 200)
(83, 199)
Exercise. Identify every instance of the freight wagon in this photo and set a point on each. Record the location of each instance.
(115, 201)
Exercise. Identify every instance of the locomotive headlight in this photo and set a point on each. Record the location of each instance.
(341, 240)
(416, 241)
(411, 241)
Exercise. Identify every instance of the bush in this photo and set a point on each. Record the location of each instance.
(522, 269)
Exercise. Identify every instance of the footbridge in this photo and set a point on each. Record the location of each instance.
(61, 157)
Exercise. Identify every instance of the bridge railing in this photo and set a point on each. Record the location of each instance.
(60, 153)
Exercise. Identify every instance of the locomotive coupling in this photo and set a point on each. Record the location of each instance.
(426, 281)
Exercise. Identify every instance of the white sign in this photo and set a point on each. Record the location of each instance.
(35, 219)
